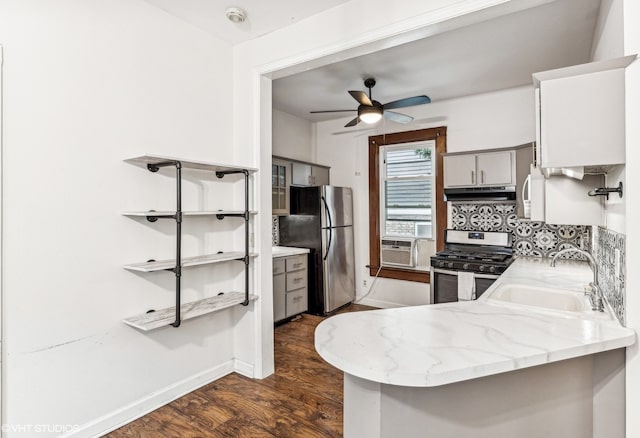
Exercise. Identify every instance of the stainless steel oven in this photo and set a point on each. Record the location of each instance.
(444, 285)
(481, 255)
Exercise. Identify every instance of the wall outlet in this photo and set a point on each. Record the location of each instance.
(364, 283)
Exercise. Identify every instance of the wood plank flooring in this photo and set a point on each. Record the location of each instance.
(303, 398)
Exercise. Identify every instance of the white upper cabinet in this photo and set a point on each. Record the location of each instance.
(307, 174)
(581, 115)
(459, 170)
(479, 169)
(580, 121)
(495, 168)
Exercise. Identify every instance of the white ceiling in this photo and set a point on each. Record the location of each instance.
(263, 16)
(496, 54)
(492, 55)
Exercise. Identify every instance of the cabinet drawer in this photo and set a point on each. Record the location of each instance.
(278, 266)
(297, 302)
(297, 262)
(296, 280)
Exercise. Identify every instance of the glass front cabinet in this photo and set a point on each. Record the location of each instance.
(280, 182)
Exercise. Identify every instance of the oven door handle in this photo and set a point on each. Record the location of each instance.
(475, 274)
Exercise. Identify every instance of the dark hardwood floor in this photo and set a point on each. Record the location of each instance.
(303, 398)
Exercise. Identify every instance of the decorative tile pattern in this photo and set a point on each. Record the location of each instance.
(529, 237)
(610, 256)
(275, 231)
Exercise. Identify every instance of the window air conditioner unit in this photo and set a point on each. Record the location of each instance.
(397, 252)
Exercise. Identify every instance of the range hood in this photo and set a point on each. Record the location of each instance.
(471, 194)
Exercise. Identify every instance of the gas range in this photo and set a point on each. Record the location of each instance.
(475, 251)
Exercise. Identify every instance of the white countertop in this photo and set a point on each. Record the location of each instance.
(434, 345)
(285, 251)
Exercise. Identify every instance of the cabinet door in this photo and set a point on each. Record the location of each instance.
(278, 266)
(496, 168)
(566, 201)
(460, 170)
(582, 120)
(320, 176)
(301, 174)
(279, 297)
(280, 182)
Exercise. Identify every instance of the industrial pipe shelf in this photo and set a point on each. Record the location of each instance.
(154, 163)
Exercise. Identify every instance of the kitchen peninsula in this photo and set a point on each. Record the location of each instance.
(483, 368)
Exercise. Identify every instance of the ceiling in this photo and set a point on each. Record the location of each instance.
(492, 55)
(262, 16)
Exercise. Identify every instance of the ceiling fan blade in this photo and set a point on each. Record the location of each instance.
(397, 117)
(331, 111)
(361, 97)
(354, 122)
(409, 101)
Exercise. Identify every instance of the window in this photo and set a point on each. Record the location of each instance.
(407, 182)
(406, 196)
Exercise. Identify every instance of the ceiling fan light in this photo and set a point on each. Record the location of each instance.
(369, 114)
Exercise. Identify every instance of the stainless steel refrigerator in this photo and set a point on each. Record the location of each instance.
(321, 219)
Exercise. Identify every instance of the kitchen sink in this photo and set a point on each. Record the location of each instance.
(548, 298)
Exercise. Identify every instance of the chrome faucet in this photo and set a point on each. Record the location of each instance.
(595, 294)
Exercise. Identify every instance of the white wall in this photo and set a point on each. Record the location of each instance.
(632, 279)
(292, 137)
(304, 45)
(608, 42)
(88, 83)
(616, 35)
(500, 119)
(608, 38)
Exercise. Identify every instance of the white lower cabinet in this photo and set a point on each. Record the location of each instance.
(279, 290)
(290, 290)
(296, 302)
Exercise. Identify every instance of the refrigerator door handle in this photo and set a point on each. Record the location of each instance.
(326, 209)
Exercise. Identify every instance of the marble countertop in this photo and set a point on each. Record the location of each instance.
(434, 345)
(285, 251)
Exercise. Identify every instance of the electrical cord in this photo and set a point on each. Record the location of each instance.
(373, 283)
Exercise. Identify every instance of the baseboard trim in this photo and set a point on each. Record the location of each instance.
(379, 303)
(244, 368)
(139, 408)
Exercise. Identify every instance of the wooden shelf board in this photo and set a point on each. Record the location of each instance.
(164, 317)
(143, 160)
(206, 259)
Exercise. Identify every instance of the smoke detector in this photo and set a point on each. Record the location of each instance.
(235, 15)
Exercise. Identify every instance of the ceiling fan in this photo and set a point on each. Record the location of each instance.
(370, 111)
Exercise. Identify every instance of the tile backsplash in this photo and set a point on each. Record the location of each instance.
(275, 231)
(609, 253)
(544, 240)
(529, 237)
